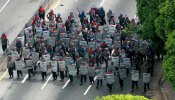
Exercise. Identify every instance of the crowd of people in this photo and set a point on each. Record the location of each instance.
(95, 47)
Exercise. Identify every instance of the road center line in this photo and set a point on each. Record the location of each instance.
(46, 82)
(101, 4)
(89, 86)
(4, 5)
(66, 84)
(25, 78)
(1, 66)
(3, 74)
(56, 4)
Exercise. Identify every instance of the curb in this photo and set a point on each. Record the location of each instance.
(162, 91)
(161, 82)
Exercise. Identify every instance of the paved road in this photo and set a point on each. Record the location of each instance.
(15, 14)
(35, 89)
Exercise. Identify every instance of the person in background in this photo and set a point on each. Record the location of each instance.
(100, 75)
(54, 68)
(19, 64)
(91, 73)
(29, 65)
(82, 17)
(68, 25)
(110, 80)
(4, 41)
(19, 46)
(102, 16)
(58, 18)
(41, 12)
(83, 72)
(10, 66)
(51, 15)
(43, 66)
(71, 70)
(35, 20)
(62, 68)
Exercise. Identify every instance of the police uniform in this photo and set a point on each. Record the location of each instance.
(35, 58)
(29, 65)
(110, 80)
(122, 75)
(108, 41)
(43, 66)
(83, 73)
(26, 52)
(62, 68)
(100, 76)
(134, 78)
(71, 70)
(54, 68)
(78, 63)
(19, 65)
(67, 62)
(10, 66)
(91, 72)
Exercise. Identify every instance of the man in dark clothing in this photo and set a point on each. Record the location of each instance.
(4, 41)
(41, 12)
(81, 51)
(10, 66)
(121, 20)
(102, 16)
(68, 25)
(82, 17)
(18, 46)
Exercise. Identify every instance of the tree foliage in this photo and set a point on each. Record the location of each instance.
(133, 28)
(165, 22)
(169, 64)
(121, 97)
(158, 20)
(148, 11)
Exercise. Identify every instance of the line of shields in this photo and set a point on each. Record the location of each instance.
(52, 33)
(123, 65)
(34, 63)
(55, 33)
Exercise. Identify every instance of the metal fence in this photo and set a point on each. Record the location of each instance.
(3, 58)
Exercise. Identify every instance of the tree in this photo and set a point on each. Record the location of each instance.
(165, 22)
(121, 97)
(148, 11)
(168, 64)
(158, 21)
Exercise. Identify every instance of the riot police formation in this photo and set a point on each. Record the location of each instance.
(93, 48)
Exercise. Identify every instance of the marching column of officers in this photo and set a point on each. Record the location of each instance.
(63, 66)
(74, 60)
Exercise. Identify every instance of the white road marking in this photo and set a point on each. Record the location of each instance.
(135, 16)
(66, 84)
(1, 66)
(101, 4)
(56, 4)
(25, 78)
(46, 82)
(4, 5)
(89, 86)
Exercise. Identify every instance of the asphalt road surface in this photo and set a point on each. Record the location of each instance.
(35, 89)
(14, 14)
